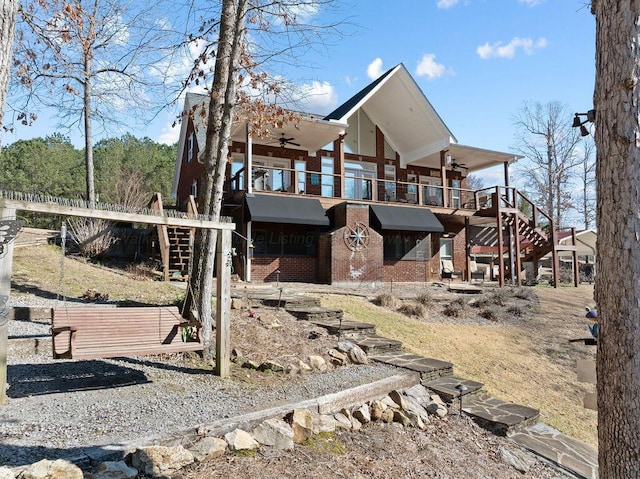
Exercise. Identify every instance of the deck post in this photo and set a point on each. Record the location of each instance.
(6, 263)
(223, 303)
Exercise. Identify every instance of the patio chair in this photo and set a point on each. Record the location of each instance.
(448, 271)
(477, 272)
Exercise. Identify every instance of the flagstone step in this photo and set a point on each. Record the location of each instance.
(289, 301)
(375, 344)
(429, 369)
(498, 416)
(565, 452)
(347, 329)
(314, 313)
(449, 388)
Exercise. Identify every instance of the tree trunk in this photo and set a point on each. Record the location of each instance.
(8, 11)
(618, 280)
(219, 123)
(88, 140)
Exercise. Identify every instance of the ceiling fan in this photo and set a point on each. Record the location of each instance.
(287, 141)
(455, 166)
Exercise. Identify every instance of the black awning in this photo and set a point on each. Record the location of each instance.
(403, 218)
(286, 209)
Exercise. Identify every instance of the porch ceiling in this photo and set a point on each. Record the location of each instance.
(311, 133)
(473, 158)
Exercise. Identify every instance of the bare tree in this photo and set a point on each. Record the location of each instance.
(548, 142)
(94, 62)
(241, 86)
(585, 201)
(8, 12)
(617, 287)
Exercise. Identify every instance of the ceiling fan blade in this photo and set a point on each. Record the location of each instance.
(292, 143)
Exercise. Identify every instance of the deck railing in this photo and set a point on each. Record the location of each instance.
(331, 185)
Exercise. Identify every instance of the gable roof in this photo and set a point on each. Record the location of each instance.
(411, 125)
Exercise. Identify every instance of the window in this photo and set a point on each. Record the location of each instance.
(271, 174)
(446, 248)
(412, 188)
(455, 194)
(389, 183)
(432, 191)
(361, 135)
(301, 177)
(194, 188)
(389, 152)
(278, 241)
(327, 177)
(358, 180)
(408, 247)
(190, 147)
(236, 166)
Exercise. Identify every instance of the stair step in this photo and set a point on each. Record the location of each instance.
(313, 313)
(290, 302)
(375, 344)
(499, 416)
(429, 369)
(346, 328)
(447, 387)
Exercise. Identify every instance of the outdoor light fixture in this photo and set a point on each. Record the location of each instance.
(448, 159)
(579, 123)
(461, 389)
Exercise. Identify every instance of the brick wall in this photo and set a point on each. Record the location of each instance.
(292, 269)
(406, 271)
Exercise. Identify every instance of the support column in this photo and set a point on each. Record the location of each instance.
(467, 248)
(339, 167)
(248, 160)
(6, 263)
(500, 253)
(576, 272)
(248, 254)
(443, 174)
(223, 303)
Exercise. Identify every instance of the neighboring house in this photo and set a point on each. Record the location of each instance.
(374, 191)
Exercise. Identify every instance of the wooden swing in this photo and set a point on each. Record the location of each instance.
(90, 332)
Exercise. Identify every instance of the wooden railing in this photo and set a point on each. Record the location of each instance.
(331, 185)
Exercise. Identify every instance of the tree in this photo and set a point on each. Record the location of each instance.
(548, 142)
(617, 287)
(585, 201)
(94, 62)
(241, 87)
(8, 12)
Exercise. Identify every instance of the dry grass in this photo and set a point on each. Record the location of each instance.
(36, 271)
(528, 362)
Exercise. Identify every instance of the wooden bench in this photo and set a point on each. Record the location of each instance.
(89, 332)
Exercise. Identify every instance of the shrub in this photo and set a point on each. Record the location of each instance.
(387, 300)
(499, 297)
(515, 310)
(425, 299)
(94, 237)
(490, 313)
(524, 293)
(455, 308)
(413, 309)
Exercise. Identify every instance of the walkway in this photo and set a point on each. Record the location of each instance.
(519, 423)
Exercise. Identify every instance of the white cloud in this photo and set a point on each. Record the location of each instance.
(531, 3)
(317, 97)
(374, 70)
(350, 80)
(444, 4)
(499, 50)
(427, 67)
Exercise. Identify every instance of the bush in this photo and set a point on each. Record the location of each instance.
(413, 309)
(524, 293)
(490, 313)
(515, 310)
(94, 237)
(425, 299)
(387, 300)
(455, 308)
(499, 297)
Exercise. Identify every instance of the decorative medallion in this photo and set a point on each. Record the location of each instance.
(357, 237)
(8, 231)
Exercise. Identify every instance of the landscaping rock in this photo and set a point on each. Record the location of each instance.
(399, 399)
(377, 408)
(387, 416)
(58, 469)
(304, 367)
(324, 423)
(338, 358)
(292, 370)
(401, 418)
(208, 448)
(248, 364)
(6, 473)
(302, 424)
(239, 440)
(362, 414)
(342, 421)
(358, 356)
(271, 365)
(519, 460)
(275, 433)
(345, 346)
(318, 362)
(114, 470)
(161, 461)
(419, 393)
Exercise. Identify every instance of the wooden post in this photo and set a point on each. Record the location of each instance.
(443, 175)
(6, 262)
(223, 303)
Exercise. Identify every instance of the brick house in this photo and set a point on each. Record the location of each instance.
(374, 191)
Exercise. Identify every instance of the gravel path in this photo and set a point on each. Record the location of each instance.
(57, 408)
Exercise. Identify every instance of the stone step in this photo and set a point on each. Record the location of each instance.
(290, 301)
(315, 314)
(375, 344)
(450, 390)
(497, 415)
(565, 452)
(429, 369)
(347, 329)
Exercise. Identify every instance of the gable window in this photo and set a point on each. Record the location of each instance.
(190, 147)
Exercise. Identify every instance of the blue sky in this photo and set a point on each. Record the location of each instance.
(477, 61)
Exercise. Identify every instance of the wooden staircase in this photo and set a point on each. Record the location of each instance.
(535, 238)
